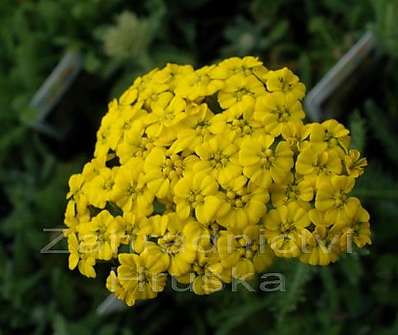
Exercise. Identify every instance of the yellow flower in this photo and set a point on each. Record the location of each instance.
(317, 248)
(295, 133)
(313, 162)
(331, 134)
(318, 218)
(138, 231)
(207, 274)
(236, 125)
(196, 129)
(218, 157)
(284, 227)
(93, 168)
(245, 253)
(198, 193)
(293, 188)
(180, 240)
(171, 74)
(146, 87)
(236, 66)
(332, 197)
(102, 235)
(141, 276)
(276, 109)
(198, 84)
(135, 143)
(162, 171)
(163, 120)
(263, 164)
(76, 212)
(126, 122)
(156, 96)
(77, 257)
(76, 182)
(129, 96)
(70, 215)
(106, 138)
(114, 286)
(356, 230)
(129, 191)
(99, 189)
(240, 92)
(286, 82)
(244, 204)
(354, 164)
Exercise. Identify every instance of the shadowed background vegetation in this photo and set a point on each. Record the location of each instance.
(122, 39)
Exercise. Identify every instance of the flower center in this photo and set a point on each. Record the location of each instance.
(195, 199)
(267, 157)
(238, 199)
(108, 184)
(287, 226)
(239, 94)
(218, 160)
(292, 192)
(248, 248)
(171, 243)
(198, 268)
(173, 167)
(282, 113)
(340, 199)
(242, 126)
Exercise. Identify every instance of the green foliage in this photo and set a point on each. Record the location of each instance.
(358, 131)
(129, 38)
(119, 40)
(385, 25)
(382, 130)
(290, 300)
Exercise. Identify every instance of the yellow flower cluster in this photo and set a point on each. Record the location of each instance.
(206, 175)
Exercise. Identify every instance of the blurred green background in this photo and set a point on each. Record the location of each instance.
(122, 39)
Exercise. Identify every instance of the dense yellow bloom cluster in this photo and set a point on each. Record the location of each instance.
(206, 175)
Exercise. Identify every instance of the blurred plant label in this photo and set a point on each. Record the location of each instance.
(336, 79)
(54, 88)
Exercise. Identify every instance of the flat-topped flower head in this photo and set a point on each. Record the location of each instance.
(206, 175)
